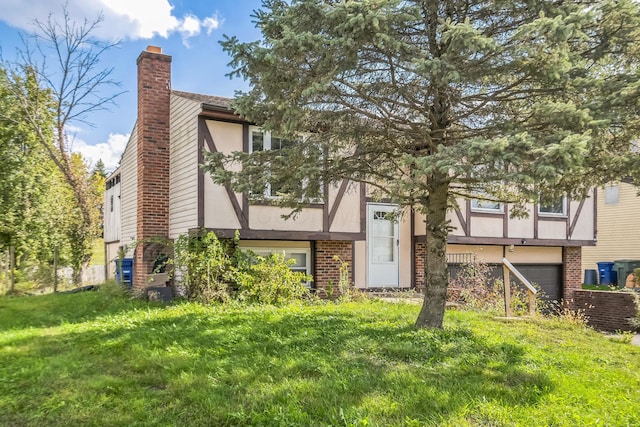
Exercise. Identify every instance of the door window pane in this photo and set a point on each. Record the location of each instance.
(383, 237)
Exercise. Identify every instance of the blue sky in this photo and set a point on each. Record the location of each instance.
(188, 30)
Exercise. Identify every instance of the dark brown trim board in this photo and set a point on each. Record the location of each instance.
(595, 213)
(464, 240)
(227, 233)
(220, 115)
(463, 222)
(200, 190)
(568, 218)
(363, 208)
(575, 218)
(535, 220)
(467, 231)
(325, 208)
(505, 222)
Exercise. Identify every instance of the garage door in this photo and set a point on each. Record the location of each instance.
(549, 277)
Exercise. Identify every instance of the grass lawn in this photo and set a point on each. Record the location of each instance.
(96, 358)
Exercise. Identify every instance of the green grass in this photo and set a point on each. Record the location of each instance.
(601, 287)
(100, 359)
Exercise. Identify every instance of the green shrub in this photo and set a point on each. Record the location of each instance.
(204, 267)
(213, 270)
(269, 280)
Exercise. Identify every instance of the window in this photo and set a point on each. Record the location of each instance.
(262, 141)
(556, 207)
(611, 194)
(486, 205)
(111, 203)
(383, 237)
(301, 256)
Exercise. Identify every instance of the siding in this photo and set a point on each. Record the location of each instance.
(112, 217)
(183, 171)
(618, 229)
(129, 191)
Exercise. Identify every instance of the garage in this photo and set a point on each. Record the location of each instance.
(548, 277)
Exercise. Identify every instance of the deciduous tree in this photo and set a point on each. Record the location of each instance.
(64, 58)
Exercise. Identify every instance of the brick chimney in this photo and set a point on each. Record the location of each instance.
(154, 88)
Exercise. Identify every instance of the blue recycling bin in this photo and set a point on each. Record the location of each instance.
(607, 274)
(127, 271)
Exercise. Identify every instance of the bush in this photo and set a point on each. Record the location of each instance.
(204, 266)
(270, 280)
(213, 270)
(474, 288)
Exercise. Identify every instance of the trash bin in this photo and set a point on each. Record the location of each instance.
(127, 271)
(623, 268)
(590, 277)
(606, 273)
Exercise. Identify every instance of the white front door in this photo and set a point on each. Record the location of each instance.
(382, 246)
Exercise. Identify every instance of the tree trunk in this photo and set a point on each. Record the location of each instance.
(435, 266)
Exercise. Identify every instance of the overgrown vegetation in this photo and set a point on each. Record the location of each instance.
(214, 270)
(102, 358)
(474, 287)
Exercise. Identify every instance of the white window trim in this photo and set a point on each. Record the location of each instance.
(562, 214)
(260, 250)
(266, 139)
(499, 209)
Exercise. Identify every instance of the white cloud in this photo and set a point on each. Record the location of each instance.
(123, 19)
(110, 151)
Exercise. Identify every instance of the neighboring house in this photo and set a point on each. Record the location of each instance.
(618, 226)
(164, 193)
(112, 221)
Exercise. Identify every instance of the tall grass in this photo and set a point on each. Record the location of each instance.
(103, 359)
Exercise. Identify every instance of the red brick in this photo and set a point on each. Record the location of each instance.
(154, 77)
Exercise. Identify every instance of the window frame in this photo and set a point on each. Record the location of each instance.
(267, 145)
(270, 250)
(562, 214)
(497, 210)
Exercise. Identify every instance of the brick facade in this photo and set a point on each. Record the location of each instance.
(327, 269)
(418, 271)
(572, 271)
(154, 80)
(606, 311)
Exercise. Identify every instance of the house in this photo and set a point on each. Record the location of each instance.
(618, 225)
(163, 193)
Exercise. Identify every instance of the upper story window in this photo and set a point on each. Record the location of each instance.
(482, 205)
(557, 207)
(611, 194)
(111, 203)
(260, 140)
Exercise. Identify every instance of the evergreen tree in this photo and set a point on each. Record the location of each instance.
(429, 101)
